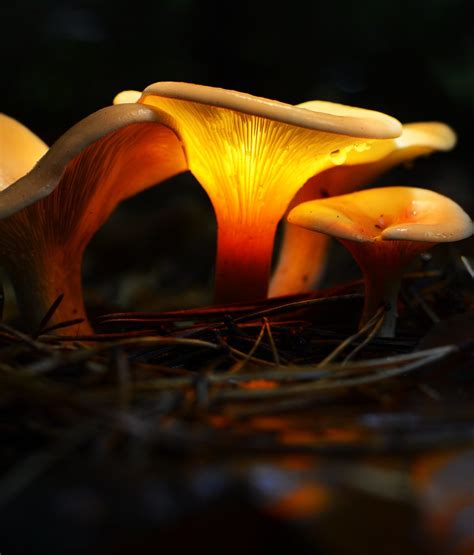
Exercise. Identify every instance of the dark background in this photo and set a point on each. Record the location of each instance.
(411, 59)
(62, 61)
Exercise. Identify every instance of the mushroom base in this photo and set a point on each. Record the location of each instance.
(383, 263)
(39, 282)
(378, 294)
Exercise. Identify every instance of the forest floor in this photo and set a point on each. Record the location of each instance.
(259, 427)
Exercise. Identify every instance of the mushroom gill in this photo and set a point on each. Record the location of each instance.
(251, 155)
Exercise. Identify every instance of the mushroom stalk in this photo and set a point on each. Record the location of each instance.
(302, 256)
(382, 266)
(381, 293)
(294, 272)
(40, 278)
(244, 256)
(303, 253)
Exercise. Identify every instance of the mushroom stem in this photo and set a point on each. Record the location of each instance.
(39, 282)
(381, 293)
(301, 262)
(382, 264)
(244, 256)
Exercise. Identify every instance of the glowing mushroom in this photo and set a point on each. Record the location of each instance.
(384, 229)
(50, 214)
(251, 155)
(302, 253)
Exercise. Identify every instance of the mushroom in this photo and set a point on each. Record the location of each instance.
(20, 150)
(251, 155)
(49, 214)
(384, 229)
(302, 252)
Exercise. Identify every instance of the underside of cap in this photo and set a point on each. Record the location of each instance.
(46, 174)
(353, 122)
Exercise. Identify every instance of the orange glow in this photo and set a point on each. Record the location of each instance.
(445, 497)
(308, 437)
(270, 423)
(343, 434)
(384, 229)
(258, 384)
(302, 254)
(41, 246)
(424, 468)
(219, 421)
(298, 462)
(251, 155)
(302, 502)
(299, 437)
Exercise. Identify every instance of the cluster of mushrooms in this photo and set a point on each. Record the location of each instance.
(257, 159)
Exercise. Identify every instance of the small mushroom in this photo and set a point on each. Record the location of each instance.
(302, 253)
(50, 211)
(384, 229)
(251, 155)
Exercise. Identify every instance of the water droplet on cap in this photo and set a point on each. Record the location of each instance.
(338, 157)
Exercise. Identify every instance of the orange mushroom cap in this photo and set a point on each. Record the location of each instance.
(251, 155)
(302, 253)
(50, 214)
(384, 229)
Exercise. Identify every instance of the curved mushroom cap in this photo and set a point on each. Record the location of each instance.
(20, 150)
(235, 138)
(389, 213)
(415, 139)
(46, 175)
(426, 136)
(332, 118)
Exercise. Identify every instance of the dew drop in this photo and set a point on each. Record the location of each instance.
(338, 157)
